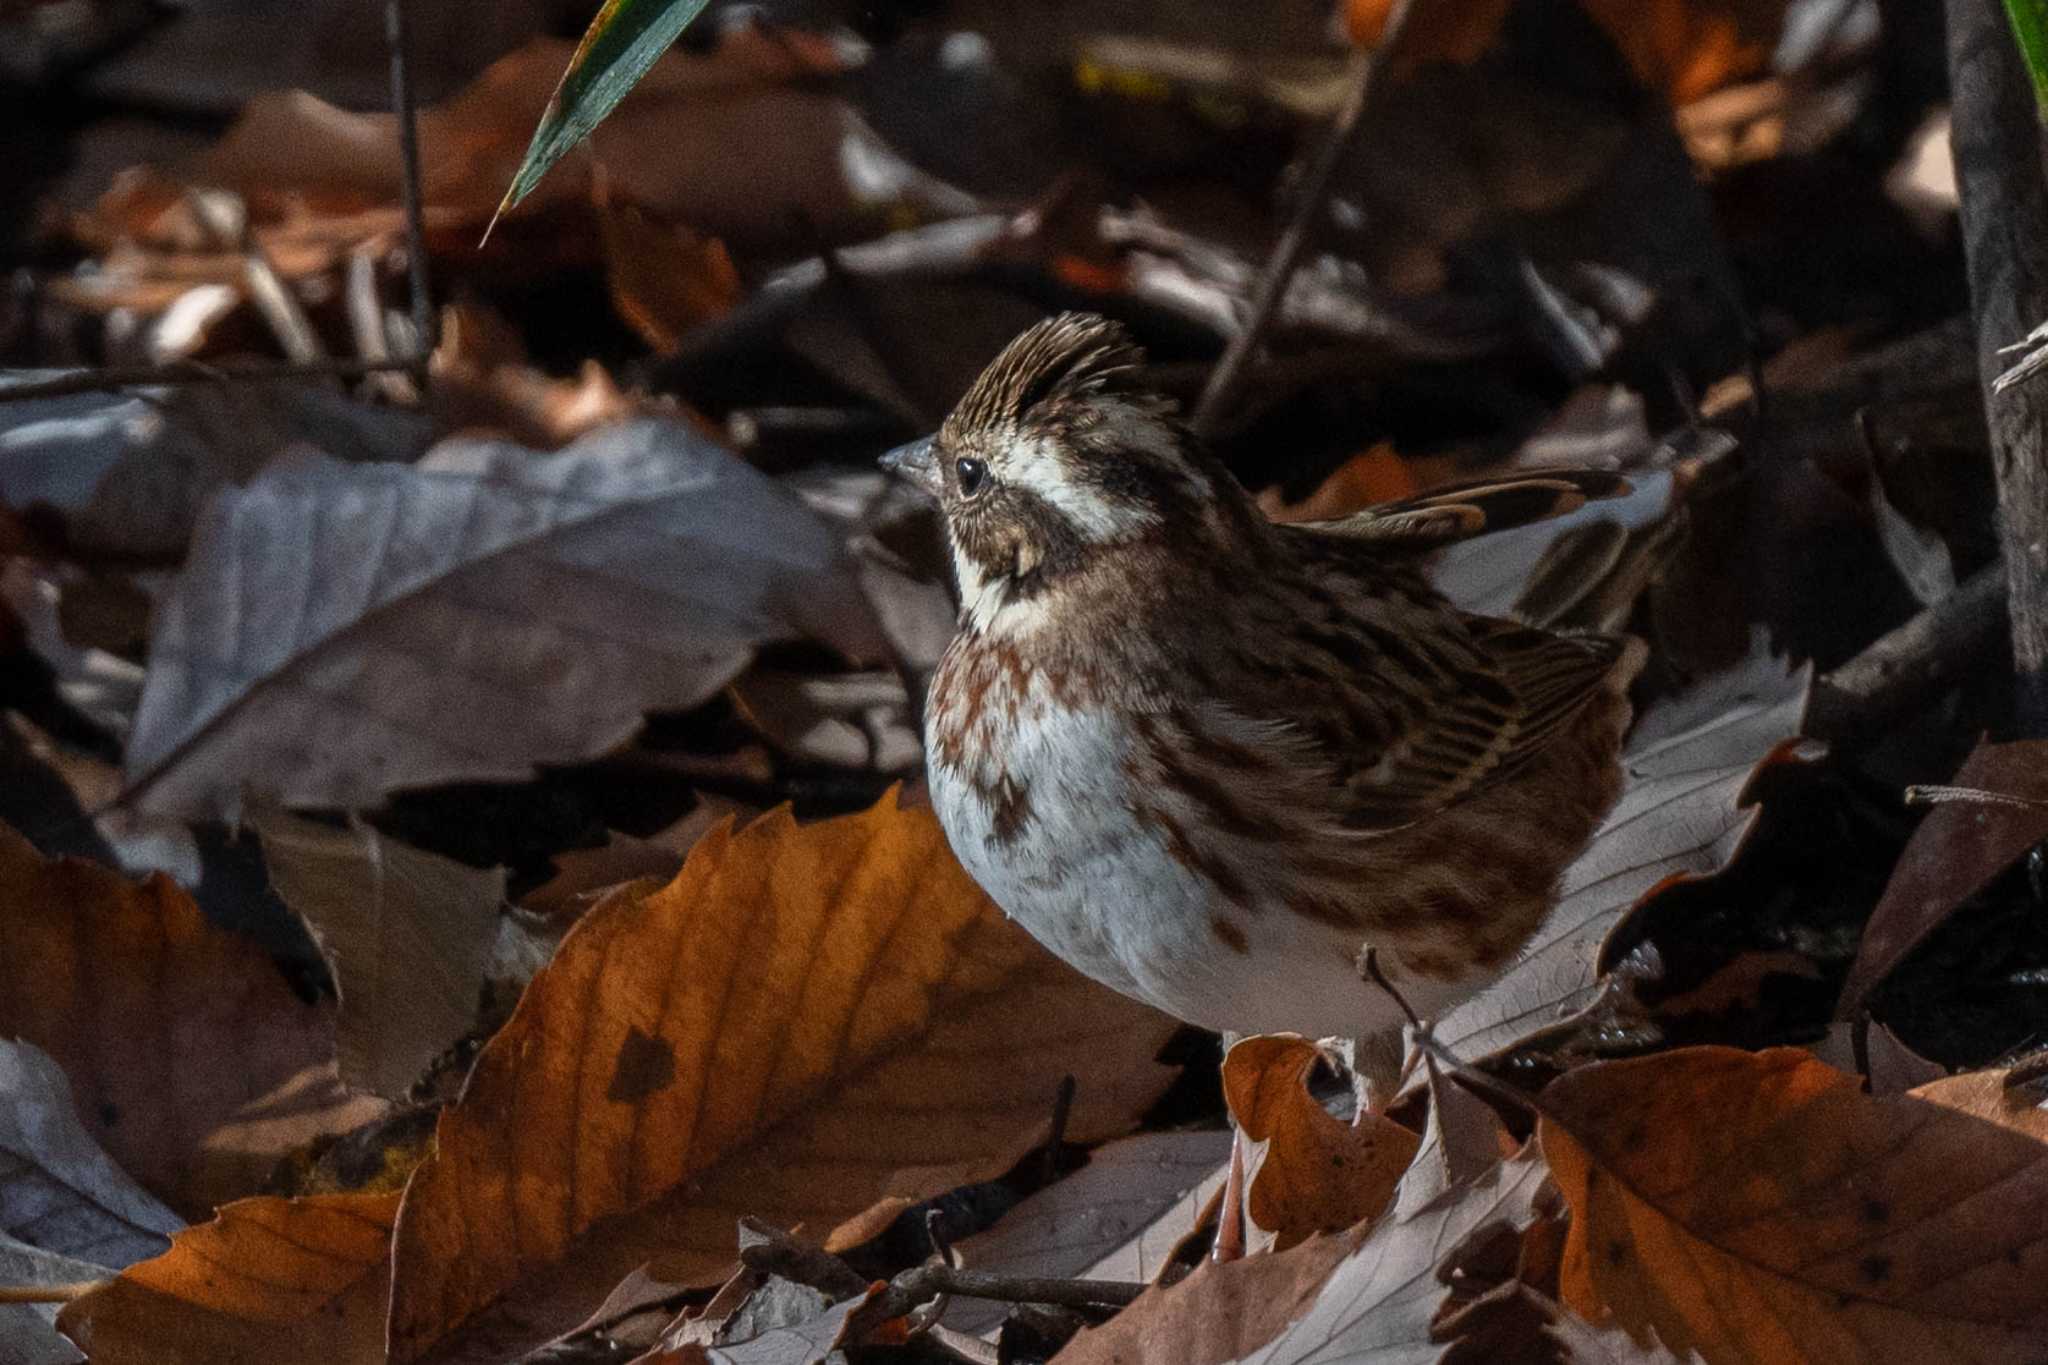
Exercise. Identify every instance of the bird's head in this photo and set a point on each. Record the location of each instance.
(1056, 457)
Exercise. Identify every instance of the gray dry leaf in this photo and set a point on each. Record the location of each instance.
(407, 933)
(28, 1331)
(1378, 1303)
(1115, 1219)
(1688, 762)
(341, 631)
(133, 471)
(58, 1191)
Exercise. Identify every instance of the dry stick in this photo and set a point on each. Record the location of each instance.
(2004, 196)
(1910, 666)
(398, 36)
(774, 1252)
(916, 1285)
(1056, 1136)
(48, 1293)
(116, 378)
(1315, 192)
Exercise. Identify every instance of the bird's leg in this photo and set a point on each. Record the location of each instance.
(1382, 1062)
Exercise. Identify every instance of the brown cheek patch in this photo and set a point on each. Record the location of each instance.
(1229, 935)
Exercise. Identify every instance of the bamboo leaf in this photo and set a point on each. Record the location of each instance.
(623, 41)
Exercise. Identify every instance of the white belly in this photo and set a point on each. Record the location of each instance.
(1103, 891)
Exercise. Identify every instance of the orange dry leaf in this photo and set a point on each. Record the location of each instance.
(267, 1282)
(1761, 1207)
(192, 1061)
(1375, 475)
(1684, 48)
(806, 1021)
(664, 280)
(1310, 1172)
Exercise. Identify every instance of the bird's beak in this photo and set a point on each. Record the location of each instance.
(916, 463)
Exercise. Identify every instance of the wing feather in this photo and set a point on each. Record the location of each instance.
(1461, 511)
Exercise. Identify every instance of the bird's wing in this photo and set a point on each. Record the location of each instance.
(1460, 511)
(1458, 732)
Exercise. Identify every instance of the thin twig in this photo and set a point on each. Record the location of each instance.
(115, 378)
(398, 35)
(47, 1293)
(770, 1250)
(1062, 1109)
(916, 1285)
(1910, 666)
(1287, 252)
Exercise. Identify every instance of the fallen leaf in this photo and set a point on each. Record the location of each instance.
(468, 617)
(1990, 1095)
(267, 1282)
(1759, 1206)
(1116, 1218)
(664, 280)
(1362, 1295)
(1681, 813)
(1218, 1313)
(1955, 853)
(806, 1021)
(28, 1331)
(58, 1191)
(1307, 1171)
(1379, 1302)
(191, 1061)
(406, 933)
(814, 1341)
(132, 472)
(1682, 48)
(1374, 476)
(581, 873)
(724, 142)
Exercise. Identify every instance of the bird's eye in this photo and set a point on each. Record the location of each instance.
(973, 474)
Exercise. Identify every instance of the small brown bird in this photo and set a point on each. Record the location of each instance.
(1210, 760)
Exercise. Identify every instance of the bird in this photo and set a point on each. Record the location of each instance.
(1222, 764)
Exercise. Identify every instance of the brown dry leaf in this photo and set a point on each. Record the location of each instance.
(1357, 1296)
(725, 142)
(485, 382)
(1759, 1206)
(581, 873)
(1309, 1171)
(1989, 1095)
(267, 1282)
(1220, 1312)
(1374, 476)
(407, 933)
(1684, 48)
(664, 280)
(808, 1020)
(1957, 851)
(58, 1191)
(1116, 1218)
(191, 1060)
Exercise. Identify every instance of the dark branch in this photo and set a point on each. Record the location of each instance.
(1308, 216)
(1997, 137)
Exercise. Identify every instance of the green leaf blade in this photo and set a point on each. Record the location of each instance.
(625, 39)
(2029, 19)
